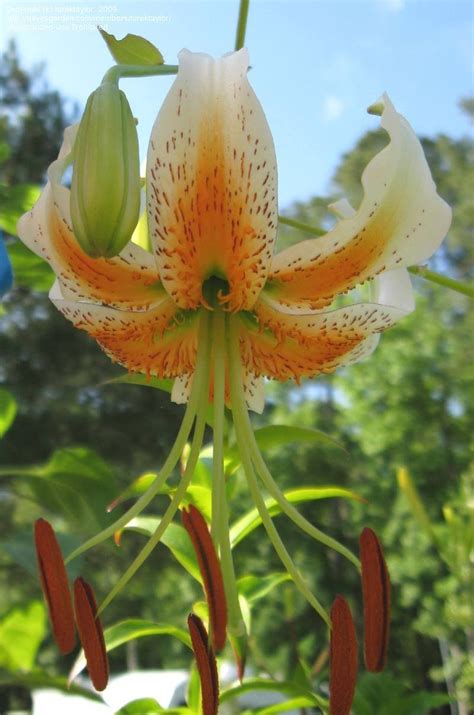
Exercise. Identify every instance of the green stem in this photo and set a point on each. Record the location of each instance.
(220, 511)
(286, 507)
(117, 72)
(242, 24)
(174, 455)
(184, 482)
(239, 413)
(218, 485)
(444, 281)
(301, 226)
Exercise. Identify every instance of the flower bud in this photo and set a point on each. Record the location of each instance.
(105, 191)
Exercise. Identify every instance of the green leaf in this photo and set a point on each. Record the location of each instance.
(201, 497)
(21, 549)
(36, 680)
(284, 687)
(132, 50)
(292, 704)
(75, 483)
(136, 378)
(16, 200)
(30, 270)
(21, 633)
(193, 692)
(256, 587)
(148, 706)
(144, 706)
(250, 521)
(175, 539)
(277, 435)
(129, 630)
(8, 410)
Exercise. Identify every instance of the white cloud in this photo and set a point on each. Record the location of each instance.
(333, 107)
(393, 5)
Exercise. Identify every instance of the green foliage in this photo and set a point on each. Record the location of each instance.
(132, 50)
(372, 690)
(21, 633)
(30, 271)
(8, 409)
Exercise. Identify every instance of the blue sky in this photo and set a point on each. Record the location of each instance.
(317, 64)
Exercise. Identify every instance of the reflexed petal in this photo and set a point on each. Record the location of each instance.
(400, 222)
(129, 280)
(286, 345)
(156, 342)
(211, 181)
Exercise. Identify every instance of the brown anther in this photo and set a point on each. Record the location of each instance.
(55, 585)
(206, 665)
(343, 658)
(91, 634)
(376, 597)
(211, 573)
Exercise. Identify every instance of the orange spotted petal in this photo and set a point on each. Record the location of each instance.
(54, 582)
(129, 280)
(376, 596)
(343, 658)
(154, 342)
(401, 221)
(211, 183)
(284, 345)
(211, 573)
(206, 665)
(91, 634)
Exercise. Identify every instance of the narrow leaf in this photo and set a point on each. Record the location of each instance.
(250, 521)
(129, 630)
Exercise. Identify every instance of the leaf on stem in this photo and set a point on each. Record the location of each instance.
(132, 50)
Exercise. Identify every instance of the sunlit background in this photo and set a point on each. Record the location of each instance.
(72, 440)
(316, 65)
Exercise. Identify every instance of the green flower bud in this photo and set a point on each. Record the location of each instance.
(105, 191)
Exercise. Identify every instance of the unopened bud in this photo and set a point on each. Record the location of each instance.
(105, 191)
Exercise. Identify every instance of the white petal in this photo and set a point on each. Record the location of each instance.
(211, 183)
(401, 222)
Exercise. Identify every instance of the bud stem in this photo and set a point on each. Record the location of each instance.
(117, 72)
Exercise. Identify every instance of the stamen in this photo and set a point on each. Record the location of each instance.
(210, 568)
(343, 658)
(206, 665)
(376, 597)
(91, 634)
(55, 585)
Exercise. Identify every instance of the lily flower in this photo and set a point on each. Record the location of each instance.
(212, 305)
